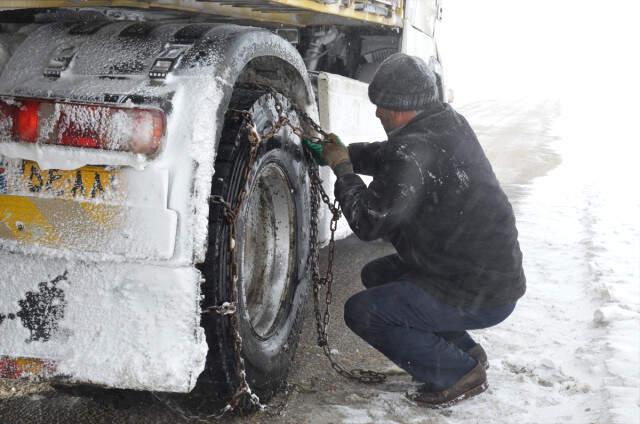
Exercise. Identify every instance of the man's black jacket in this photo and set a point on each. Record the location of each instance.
(435, 197)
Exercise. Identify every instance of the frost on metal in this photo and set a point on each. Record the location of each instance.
(41, 310)
(121, 325)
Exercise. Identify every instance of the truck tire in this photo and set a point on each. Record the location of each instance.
(272, 248)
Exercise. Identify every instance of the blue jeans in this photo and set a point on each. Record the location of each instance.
(419, 333)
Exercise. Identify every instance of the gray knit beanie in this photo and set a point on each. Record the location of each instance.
(404, 82)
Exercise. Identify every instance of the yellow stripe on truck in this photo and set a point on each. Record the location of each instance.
(32, 220)
(102, 214)
(25, 222)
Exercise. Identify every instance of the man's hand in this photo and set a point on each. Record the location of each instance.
(334, 152)
(316, 151)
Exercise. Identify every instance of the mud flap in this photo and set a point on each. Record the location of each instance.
(120, 325)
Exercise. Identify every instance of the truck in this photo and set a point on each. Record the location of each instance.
(121, 123)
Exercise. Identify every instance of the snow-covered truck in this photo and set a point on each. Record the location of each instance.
(115, 136)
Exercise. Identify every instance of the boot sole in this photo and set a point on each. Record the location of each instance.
(413, 379)
(474, 391)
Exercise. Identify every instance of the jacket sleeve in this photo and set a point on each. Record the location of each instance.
(362, 157)
(390, 199)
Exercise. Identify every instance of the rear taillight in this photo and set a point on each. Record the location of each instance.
(26, 122)
(82, 125)
(148, 130)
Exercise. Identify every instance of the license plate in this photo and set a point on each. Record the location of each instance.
(89, 182)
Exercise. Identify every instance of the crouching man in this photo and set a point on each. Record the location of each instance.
(434, 195)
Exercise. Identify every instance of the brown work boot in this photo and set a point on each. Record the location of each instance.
(471, 384)
(478, 353)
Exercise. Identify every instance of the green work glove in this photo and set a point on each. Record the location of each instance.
(334, 152)
(316, 151)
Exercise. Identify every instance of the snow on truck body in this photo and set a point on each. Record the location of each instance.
(108, 134)
(129, 299)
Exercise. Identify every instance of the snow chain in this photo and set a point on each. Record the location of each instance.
(243, 398)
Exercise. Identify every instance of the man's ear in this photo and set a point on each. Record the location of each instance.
(403, 117)
(396, 118)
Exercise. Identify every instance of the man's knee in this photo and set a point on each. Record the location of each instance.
(382, 271)
(357, 313)
(368, 275)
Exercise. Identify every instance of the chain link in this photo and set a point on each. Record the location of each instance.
(243, 398)
(323, 318)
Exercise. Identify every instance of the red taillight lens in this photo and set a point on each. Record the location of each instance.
(70, 138)
(148, 129)
(26, 121)
(81, 125)
(77, 126)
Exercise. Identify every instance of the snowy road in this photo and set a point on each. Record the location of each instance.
(569, 353)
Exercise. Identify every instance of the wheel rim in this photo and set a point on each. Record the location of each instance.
(267, 249)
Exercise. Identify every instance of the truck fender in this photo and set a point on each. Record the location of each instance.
(235, 54)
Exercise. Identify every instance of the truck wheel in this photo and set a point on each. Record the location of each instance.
(272, 234)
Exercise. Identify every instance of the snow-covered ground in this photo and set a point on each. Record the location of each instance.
(571, 351)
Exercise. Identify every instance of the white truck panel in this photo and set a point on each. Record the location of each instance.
(422, 14)
(68, 158)
(417, 43)
(345, 110)
(119, 325)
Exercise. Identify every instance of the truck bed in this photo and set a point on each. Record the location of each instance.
(287, 12)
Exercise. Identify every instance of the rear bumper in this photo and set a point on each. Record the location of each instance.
(119, 325)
